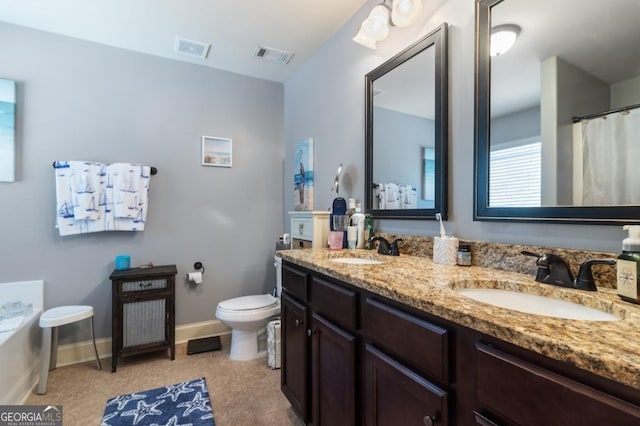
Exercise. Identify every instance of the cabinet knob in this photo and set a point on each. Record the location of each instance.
(311, 332)
(428, 420)
(301, 228)
(298, 322)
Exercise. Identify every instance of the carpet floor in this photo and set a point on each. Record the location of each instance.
(241, 392)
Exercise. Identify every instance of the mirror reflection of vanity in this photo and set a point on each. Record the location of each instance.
(406, 132)
(557, 116)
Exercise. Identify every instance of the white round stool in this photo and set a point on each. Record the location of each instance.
(49, 322)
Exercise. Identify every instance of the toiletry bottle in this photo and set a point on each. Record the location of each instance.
(358, 219)
(628, 266)
(464, 255)
(368, 231)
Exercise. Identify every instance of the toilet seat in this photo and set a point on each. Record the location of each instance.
(258, 302)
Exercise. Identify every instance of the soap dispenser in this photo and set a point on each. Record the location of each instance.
(628, 266)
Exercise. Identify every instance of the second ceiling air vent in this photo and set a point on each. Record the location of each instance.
(191, 48)
(273, 55)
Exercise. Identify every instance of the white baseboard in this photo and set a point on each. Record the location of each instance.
(75, 353)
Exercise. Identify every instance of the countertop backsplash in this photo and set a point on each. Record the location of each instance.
(507, 257)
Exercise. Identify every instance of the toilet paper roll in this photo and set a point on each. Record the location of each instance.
(195, 277)
(445, 250)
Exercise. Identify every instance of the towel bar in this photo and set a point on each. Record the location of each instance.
(154, 171)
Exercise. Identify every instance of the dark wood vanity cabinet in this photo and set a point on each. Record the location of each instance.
(319, 348)
(351, 357)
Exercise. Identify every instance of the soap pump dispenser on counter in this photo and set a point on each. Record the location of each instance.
(628, 266)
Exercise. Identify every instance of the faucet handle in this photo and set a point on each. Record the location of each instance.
(393, 251)
(585, 279)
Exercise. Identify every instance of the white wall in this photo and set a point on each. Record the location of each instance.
(325, 100)
(84, 101)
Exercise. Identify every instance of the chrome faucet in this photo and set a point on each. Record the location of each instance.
(552, 269)
(386, 247)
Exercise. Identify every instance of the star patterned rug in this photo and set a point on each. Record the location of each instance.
(181, 404)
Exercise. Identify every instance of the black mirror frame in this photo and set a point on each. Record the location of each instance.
(481, 211)
(438, 40)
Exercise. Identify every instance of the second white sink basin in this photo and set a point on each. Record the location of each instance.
(535, 304)
(356, 261)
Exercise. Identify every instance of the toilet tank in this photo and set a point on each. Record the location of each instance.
(278, 265)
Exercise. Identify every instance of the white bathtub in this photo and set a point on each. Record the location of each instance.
(20, 348)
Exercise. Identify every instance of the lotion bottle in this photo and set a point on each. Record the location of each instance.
(628, 266)
(358, 219)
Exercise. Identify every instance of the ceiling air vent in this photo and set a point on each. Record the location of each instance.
(191, 48)
(273, 55)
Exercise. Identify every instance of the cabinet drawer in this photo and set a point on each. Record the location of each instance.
(395, 395)
(414, 341)
(141, 285)
(294, 281)
(334, 302)
(526, 394)
(302, 228)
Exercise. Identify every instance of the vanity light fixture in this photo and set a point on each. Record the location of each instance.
(401, 13)
(503, 38)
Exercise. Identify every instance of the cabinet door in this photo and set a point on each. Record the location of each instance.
(395, 395)
(294, 370)
(333, 367)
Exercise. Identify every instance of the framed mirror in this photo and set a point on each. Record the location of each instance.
(406, 132)
(555, 114)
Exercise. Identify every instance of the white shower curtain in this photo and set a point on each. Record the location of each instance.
(611, 159)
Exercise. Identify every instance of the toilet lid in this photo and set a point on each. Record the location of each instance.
(246, 303)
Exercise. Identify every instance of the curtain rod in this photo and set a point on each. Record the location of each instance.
(154, 171)
(600, 114)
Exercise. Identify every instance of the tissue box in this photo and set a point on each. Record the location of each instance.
(445, 250)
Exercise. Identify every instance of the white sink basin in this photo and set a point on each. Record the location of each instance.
(534, 304)
(355, 261)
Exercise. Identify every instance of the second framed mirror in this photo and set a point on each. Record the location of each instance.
(406, 133)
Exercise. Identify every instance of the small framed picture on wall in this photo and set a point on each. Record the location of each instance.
(216, 152)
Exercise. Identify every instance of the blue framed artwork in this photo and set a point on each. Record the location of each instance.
(7, 130)
(303, 175)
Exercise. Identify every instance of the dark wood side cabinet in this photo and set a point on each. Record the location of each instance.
(143, 311)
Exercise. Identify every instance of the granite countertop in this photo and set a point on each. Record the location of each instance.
(610, 349)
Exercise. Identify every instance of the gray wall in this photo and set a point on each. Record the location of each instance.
(325, 100)
(515, 126)
(398, 159)
(83, 101)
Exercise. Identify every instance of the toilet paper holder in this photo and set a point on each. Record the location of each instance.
(198, 267)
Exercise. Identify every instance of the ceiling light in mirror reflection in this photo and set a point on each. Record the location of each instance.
(503, 37)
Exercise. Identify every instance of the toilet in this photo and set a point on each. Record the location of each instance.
(247, 316)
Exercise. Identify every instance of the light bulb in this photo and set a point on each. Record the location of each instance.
(405, 12)
(376, 26)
